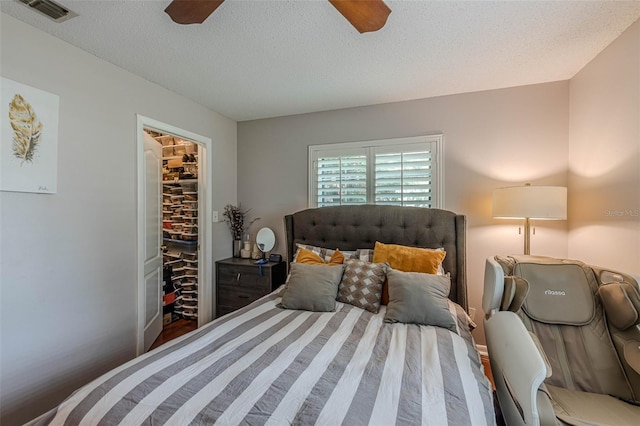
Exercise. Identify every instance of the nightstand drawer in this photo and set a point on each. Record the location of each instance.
(244, 278)
(224, 310)
(237, 298)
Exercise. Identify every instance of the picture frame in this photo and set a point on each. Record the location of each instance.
(29, 138)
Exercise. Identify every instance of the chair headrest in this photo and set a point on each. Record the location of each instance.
(515, 292)
(493, 286)
(505, 293)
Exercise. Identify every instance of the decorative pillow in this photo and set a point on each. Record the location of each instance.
(407, 259)
(367, 255)
(418, 298)
(311, 258)
(323, 252)
(364, 254)
(312, 287)
(337, 258)
(361, 284)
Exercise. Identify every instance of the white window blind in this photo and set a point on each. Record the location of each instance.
(403, 178)
(403, 172)
(341, 179)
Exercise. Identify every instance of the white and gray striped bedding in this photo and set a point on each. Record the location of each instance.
(267, 365)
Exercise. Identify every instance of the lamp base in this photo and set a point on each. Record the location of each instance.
(527, 236)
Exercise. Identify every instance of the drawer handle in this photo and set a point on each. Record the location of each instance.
(238, 277)
(243, 297)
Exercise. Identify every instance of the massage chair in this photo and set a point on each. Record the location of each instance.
(563, 340)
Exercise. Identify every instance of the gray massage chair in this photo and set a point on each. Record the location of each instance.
(563, 340)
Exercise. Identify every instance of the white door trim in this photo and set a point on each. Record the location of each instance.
(205, 234)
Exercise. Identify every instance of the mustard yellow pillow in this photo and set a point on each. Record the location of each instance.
(337, 258)
(311, 258)
(406, 259)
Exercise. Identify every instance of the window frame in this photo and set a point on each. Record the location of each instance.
(369, 147)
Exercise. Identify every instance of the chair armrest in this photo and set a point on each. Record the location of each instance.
(518, 368)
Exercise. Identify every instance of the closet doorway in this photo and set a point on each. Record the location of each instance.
(173, 231)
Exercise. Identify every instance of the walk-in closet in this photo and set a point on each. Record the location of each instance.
(180, 242)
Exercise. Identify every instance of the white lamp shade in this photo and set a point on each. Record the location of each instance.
(533, 202)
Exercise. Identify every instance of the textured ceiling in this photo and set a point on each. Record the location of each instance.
(258, 59)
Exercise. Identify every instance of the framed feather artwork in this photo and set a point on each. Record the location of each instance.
(29, 144)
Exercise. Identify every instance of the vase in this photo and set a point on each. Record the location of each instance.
(245, 253)
(237, 246)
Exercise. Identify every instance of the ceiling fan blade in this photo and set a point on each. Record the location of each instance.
(191, 11)
(364, 15)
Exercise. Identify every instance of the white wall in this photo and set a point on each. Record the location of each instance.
(492, 139)
(604, 157)
(68, 291)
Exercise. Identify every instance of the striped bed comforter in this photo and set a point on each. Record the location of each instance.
(267, 365)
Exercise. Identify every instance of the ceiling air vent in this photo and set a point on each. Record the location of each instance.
(50, 9)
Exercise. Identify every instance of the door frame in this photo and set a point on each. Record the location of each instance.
(205, 206)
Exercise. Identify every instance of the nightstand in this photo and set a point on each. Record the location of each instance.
(238, 282)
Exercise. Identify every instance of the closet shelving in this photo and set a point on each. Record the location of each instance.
(180, 223)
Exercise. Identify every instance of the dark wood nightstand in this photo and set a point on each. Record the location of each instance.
(238, 282)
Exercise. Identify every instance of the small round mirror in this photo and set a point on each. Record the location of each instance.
(265, 239)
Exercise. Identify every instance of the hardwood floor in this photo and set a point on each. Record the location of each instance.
(173, 330)
(487, 369)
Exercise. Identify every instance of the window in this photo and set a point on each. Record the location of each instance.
(401, 172)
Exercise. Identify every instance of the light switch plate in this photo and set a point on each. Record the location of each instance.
(214, 215)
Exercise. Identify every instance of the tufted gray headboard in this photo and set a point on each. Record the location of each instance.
(354, 227)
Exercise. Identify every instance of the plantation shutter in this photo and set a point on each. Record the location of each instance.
(402, 172)
(341, 178)
(404, 175)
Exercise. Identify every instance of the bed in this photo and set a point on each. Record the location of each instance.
(265, 364)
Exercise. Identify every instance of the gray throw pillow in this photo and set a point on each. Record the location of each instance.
(418, 298)
(312, 287)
